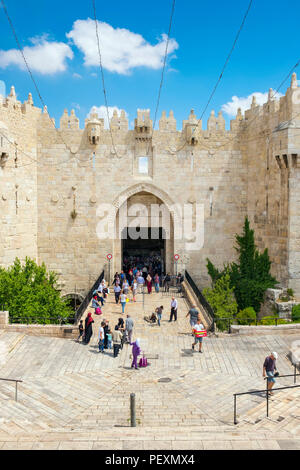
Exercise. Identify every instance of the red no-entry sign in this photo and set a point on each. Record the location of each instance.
(176, 257)
(109, 256)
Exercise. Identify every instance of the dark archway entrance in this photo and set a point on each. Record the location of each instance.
(148, 249)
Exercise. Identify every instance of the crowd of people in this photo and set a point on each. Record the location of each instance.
(133, 281)
(122, 333)
(153, 263)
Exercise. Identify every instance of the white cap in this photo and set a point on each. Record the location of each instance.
(275, 354)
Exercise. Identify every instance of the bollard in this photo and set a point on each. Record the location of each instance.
(132, 410)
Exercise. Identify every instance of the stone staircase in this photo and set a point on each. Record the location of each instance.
(74, 397)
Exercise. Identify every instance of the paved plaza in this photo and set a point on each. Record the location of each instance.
(73, 397)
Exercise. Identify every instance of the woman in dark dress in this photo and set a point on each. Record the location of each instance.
(88, 328)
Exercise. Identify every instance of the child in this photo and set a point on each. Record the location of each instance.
(109, 340)
(80, 328)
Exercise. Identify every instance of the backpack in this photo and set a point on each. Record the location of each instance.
(98, 311)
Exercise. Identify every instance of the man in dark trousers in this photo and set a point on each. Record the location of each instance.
(174, 306)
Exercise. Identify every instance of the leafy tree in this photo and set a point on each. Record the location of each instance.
(30, 294)
(221, 299)
(214, 273)
(251, 276)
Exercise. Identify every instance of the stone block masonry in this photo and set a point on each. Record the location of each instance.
(252, 169)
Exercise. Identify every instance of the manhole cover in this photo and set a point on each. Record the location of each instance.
(165, 379)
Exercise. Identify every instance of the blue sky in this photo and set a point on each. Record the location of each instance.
(202, 34)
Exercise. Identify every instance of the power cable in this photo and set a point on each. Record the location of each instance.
(222, 71)
(31, 74)
(102, 76)
(163, 70)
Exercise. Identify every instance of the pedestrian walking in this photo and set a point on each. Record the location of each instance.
(136, 351)
(149, 283)
(167, 281)
(123, 299)
(199, 332)
(269, 369)
(101, 337)
(129, 324)
(159, 311)
(117, 291)
(88, 331)
(156, 282)
(174, 305)
(81, 330)
(106, 333)
(134, 288)
(141, 282)
(193, 314)
(117, 338)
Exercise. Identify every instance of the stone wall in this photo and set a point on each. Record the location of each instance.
(250, 169)
(58, 331)
(18, 179)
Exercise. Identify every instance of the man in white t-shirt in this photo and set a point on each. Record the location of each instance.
(199, 332)
(101, 337)
(174, 305)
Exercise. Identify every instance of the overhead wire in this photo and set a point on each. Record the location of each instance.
(222, 72)
(73, 154)
(163, 70)
(102, 76)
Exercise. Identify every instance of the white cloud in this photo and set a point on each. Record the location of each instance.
(121, 49)
(102, 113)
(2, 88)
(43, 56)
(244, 103)
(77, 75)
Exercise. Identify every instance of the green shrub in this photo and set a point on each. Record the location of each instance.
(30, 294)
(290, 292)
(246, 316)
(284, 298)
(296, 313)
(271, 320)
(251, 276)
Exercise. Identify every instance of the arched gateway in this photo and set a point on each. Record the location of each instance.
(144, 225)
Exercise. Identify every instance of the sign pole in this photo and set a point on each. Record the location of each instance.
(109, 257)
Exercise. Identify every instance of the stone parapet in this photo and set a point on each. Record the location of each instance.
(58, 331)
(265, 329)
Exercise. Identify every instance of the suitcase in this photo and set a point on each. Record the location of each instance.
(143, 361)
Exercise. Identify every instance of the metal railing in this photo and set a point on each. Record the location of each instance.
(265, 390)
(36, 320)
(16, 382)
(208, 309)
(85, 303)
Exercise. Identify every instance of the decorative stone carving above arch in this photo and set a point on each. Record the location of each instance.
(54, 198)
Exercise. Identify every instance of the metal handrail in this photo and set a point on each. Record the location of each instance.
(38, 320)
(207, 307)
(264, 390)
(16, 382)
(85, 303)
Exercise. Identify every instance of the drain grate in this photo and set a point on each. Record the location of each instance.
(165, 379)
